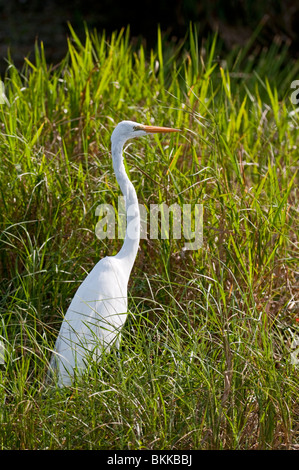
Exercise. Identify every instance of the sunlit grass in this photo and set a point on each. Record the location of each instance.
(205, 360)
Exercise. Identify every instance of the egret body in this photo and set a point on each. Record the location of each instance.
(98, 311)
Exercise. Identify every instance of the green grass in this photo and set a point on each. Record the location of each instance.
(205, 361)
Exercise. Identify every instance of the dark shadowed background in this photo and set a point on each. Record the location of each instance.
(22, 21)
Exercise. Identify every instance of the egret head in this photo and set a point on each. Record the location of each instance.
(129, 130)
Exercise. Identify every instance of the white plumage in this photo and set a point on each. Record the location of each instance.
(98, 311)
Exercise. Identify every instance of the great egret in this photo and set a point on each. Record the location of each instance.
(99, 308)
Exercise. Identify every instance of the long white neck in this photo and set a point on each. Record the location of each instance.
(132, 237)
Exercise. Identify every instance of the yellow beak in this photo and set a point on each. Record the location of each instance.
(154, 129)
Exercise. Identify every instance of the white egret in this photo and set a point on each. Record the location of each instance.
(99, 308)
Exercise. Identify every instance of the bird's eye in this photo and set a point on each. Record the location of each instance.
(137, 128)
